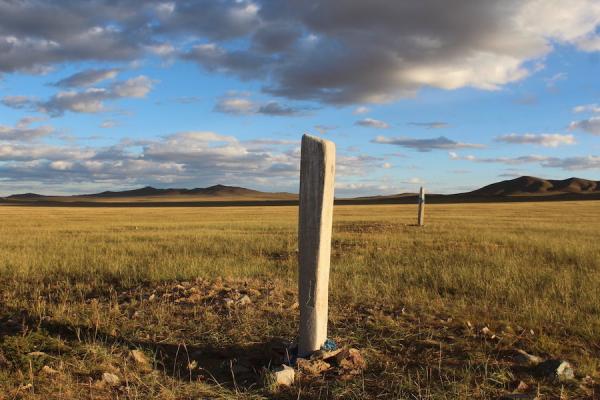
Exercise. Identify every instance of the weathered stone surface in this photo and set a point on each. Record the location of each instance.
(421, 218)
(312, 367)
(348, 360)
(317, 172)
(110, 379)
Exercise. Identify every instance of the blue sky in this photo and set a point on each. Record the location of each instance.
(110, 95)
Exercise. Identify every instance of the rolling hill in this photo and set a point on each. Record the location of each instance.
(148, 194)
(529, 185)
(525, 188)
(215, 191)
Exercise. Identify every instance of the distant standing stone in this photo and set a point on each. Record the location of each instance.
(421, 218)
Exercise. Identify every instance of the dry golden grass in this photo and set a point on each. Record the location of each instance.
(76, 283)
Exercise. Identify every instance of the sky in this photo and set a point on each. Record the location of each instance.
(113, 95)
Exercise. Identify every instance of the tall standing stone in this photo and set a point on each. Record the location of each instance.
(317, 174)
(421, 219)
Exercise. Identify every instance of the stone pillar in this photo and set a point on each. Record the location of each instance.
(317, 173)
(421, 218)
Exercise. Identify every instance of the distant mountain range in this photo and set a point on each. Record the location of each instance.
(216, 191)
(524, 188)
(529, 185)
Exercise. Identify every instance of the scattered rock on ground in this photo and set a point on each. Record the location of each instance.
(353, 362)
(284, 375)
(350, 360)
(244, 300)
(110, 379)
(523, 357)
(522, 387)
(253, 292)
(37, 354)
(485, 331)
(557, 369)
(312, 367)
(49, 370)
(141, 360)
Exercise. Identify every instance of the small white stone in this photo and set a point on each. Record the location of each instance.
(565, 370)
(558, 369)
(110, 379)
(245, 300)
(285, 375)
(49, 370)
(525, 358)
(37, 354)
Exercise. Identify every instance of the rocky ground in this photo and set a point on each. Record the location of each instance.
(235, 339)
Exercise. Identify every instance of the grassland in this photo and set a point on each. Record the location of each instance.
(80, 287)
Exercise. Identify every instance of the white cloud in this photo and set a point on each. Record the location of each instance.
(576, 163)
(184, 158)
(372, 123)
(590, 125)
(589, 43)
(23, 131)
(88, 77)
(161, 49)
(235, 105)
(323, 129)
(477, 44)
(425, 145)
(591, 108)
(241, 104)
(17, 102)
(360, 110)
(90, 100)
(430, 125)
(373, 54)
(554, 79)
(415, 181)
(542, 139)
(109, 123)
(137, 87)
(61, 165)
